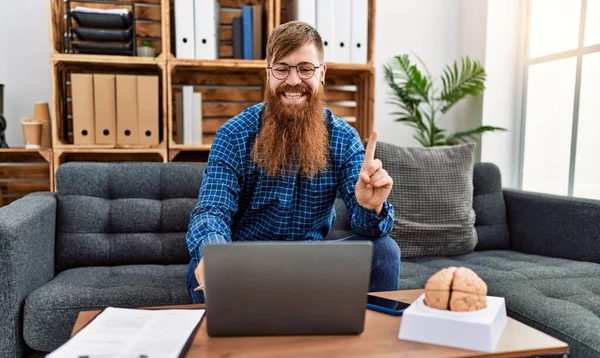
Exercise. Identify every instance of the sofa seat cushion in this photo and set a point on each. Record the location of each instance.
(567, 308)
(494, 266)
(50, 311)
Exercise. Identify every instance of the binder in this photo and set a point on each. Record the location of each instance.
(105, 109)
(238, 38)
(359, 34)
(82, 98)
(326, 27)
(197, 118)
(147, 91)
(257, 31)
(178, 137)
(188, 114)
(206, 23)
(127, 116)
(248, 46)
(342, 31)
(303, 10)
(184, 29)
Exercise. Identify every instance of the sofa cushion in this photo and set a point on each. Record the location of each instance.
(495, 266)
(565, 308)
(106, 209)
(51, 310)
(490, 211)
(432, 196)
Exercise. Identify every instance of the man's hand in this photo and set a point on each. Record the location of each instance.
(374, 184)
(199, 272)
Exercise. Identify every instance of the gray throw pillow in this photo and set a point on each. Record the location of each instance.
(433, 198)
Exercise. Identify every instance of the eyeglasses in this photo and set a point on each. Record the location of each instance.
(305, 70)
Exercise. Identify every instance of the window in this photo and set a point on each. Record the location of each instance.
(561, 113)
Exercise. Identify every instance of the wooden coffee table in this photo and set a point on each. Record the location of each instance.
(379, 339)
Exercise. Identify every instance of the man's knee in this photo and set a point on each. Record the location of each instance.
(386, 249)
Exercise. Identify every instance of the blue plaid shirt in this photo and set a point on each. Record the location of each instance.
(238, 201)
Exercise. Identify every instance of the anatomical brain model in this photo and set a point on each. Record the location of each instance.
(457, 289)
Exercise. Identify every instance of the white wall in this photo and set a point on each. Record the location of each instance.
(503, 97)
(441, 31)
(427, 28)
(24, 61)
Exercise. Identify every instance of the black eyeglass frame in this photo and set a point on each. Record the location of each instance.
(315, 68)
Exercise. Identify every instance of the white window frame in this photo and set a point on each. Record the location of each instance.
(579, 52)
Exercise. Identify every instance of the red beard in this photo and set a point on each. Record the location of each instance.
(293, 137)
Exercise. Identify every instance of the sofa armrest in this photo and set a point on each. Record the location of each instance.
(554, 226)
(27, 230)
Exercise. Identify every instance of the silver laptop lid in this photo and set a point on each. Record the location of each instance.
(286, 288)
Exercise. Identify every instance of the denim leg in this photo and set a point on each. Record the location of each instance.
(385, 266)
(197, 297)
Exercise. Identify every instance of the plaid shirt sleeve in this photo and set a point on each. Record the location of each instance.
(210, 220)
(363, 222)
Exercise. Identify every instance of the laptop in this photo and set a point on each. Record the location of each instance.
(286, 288)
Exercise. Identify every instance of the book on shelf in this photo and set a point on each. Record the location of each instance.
(238, 39)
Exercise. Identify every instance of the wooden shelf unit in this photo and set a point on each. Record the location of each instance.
(23, 171)
(228, 85)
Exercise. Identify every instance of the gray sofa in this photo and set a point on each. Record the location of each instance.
(114, 234)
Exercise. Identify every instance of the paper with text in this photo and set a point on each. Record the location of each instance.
(128, 333)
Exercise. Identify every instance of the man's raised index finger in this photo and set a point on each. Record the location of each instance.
(370, 151)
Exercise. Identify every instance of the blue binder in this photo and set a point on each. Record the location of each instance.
(247, 32)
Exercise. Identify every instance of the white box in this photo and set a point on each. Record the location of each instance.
(477, 330)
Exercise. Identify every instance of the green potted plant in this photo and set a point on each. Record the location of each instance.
(421, 102)
(146, 49)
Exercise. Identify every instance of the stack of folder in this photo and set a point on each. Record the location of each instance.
(196, 29)
(342, 24)
(115, 109)
(102, 31)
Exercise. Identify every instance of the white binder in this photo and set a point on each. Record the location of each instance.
(197, 118)
(302, 10)
(188, 114)
(359, 35)
(206, 20)
(184, 29)
(326, 27)
(342, 31)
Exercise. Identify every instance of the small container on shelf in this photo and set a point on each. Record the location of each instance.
(111, 35)
(108, 48)
(104, 19)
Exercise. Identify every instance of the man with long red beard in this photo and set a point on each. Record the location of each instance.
(273, 170)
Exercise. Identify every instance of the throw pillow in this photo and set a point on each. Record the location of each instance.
(433, 198)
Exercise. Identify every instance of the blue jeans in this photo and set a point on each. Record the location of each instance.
(385, 267)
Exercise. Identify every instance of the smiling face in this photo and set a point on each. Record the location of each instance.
(297, 75)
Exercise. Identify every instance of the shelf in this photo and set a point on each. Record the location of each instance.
(125, 147)
(220, 63)
(46, 153)
(24, 150)
(190, 147)
(350, 67)
(104, 59)
(101, 150)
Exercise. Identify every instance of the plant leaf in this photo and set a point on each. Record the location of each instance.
(458, 83)
(472, 134)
